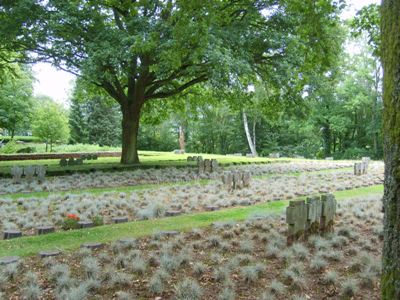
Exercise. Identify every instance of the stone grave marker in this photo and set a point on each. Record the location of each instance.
(227, 180)
(314, 211)
(328, 212)
(29, 173)
(41, 173)
(329, 158)
(200, 166)
(296, 218)
(207, 166)
(16, 173)
(214, 165)
(118, 220)
(11, 234)
(246, 179)
(237, 180)
(44, 229)
(49, 253)
(7, 260)
(85, 224)
(92, 246)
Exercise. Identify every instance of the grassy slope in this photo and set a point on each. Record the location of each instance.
(26, 246)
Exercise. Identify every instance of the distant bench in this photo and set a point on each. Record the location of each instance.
(39, 156)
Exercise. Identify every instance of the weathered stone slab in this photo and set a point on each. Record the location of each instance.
(92, 246)
(237, 180)
(314, 211)
(7, 260)
(201, 166)
(227, 180)
(44, 230)
(16, 173)
(41, 173)
(118, 220)
(296, 218)
(328, 212)
(29, 173)
(85, 224)
(214, 165)
(11, 234)
(329, 158)
(49, 253)
(246, 179)
(172, 213)
(207, 166)
(127, 241)
(211, 208)
(168, 233)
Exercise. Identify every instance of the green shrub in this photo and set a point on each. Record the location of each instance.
(70, 223)
(27, 150)
(97, 221)
(10, 148)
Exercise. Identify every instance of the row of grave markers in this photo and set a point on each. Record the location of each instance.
(79, 161)
(29, 173)
(233, 180)
(207, 166)
(315, 215)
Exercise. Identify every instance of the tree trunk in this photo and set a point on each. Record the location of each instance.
(248, 135)
(181, 139)
(130, 129)
(254, 135)
(390, 29)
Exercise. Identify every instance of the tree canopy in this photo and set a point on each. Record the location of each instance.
(142, 50)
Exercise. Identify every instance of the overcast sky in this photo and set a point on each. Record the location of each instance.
(58, 84)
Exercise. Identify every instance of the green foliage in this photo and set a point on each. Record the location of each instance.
(139, 51)
(97, 221)
(15, 99)
(10, 147)
(50, 123)
(69, 224)
(367, 21)
(93, 117)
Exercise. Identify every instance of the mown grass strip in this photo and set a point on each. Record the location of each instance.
(132, 188)
(69, 240)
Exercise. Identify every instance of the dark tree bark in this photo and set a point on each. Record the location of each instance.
(130, 130)
(390, 29)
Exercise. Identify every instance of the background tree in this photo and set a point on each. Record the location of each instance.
(50, 122)
(15, 99)
(391, 123)
(140, 51)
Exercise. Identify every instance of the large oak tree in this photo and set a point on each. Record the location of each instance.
(140, 50)
(390, 51)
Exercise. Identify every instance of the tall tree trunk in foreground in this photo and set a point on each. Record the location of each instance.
(248, 135)
(390, 29)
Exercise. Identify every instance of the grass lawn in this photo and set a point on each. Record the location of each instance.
(147, 158)
(68, 240)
